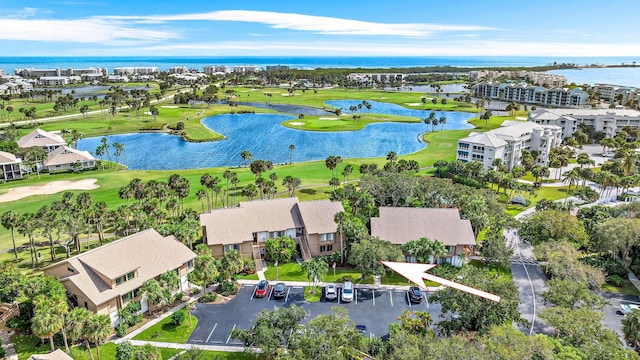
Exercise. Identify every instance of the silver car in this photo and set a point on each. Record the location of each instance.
(347, 291)
(330, 292)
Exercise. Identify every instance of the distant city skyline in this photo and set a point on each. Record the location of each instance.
(327, 28)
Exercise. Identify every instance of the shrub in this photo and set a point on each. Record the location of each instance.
(180, 125)
(2, 353)
(608, 265)
(249, 266)
(195, 291)
(586, 193)
(121, 330)
(178, 317)
(178, 296)
(467, 181)
(446, 271)
(210, 297)
(228, 288)
(124, 351)
(615, 280)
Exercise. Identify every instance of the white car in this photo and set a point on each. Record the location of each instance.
(330, 292)
(627, 308)
(347, 291)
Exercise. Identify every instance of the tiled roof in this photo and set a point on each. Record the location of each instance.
(8, 158)
(400, 225)
(318, 216)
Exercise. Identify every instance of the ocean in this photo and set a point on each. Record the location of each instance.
(631, 76)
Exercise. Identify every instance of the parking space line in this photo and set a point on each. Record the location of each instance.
(230, 332)
(373, 297)
(355, 294)
(286, 298)
(270, 294)
(408, 299)
(211, 333)
(426, 299)
(391, 298)
(298, 287)
(198, 341)
(339, 291)
(254, 292)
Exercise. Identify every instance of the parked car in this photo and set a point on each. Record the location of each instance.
(362, 329)
(608, 154)
(415, 294)
(347, 291)
(330, 292)
(627, 308)
(278, 290)
(263, 288)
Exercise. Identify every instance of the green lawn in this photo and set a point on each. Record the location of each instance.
(165, 331)
(312, 297)
(627, 288)
(504, 272)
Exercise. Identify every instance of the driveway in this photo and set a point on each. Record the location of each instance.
(374, 308)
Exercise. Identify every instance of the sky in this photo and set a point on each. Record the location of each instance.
(318, 28)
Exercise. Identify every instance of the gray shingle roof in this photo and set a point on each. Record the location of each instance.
(66, 155)
(40, 138)
(148, 252)
(400, 225)
(8, 158)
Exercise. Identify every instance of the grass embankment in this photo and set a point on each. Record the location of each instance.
(318, 99)
(166, 331)
(316, 296)
(343, 122)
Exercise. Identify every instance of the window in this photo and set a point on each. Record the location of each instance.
(230, 247)
(131, 275)
(71, 270)
(276, 234)
(124, 278)
(326, 237)
(325, 248)
(190, 264)
(127, 297)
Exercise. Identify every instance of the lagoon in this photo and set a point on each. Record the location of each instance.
(265, 137)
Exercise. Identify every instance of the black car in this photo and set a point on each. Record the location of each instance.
(278, 290)
(362, 329)
(415, 294)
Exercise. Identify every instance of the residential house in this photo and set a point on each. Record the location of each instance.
(608, 121)
(65, 158)
(105, 279)
(400, 225)
(10, 166)
(40, 138)
(247, 227)
(507, 143)
(54, 355)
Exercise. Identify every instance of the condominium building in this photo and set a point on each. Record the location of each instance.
(38, 73)
(213, 69)
(610, 92)
(383, 78)
(507, 143)
(536, 78)
(178, 70)
(277, 67)
(244, 69)
(142, 70)
(531, 94)
(608, 121)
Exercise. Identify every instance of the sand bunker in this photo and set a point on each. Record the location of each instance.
(48, 189)
(413, 104)
(521, 118)
(327, 118)
(170, 106)
(296, 123)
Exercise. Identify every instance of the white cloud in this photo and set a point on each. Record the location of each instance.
(78, 31)
(457, 48)
(311, 23)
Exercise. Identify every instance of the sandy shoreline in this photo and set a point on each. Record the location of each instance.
(48, 189)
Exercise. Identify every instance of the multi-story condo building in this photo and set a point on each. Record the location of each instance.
(105, 279)
(531, 94)
(536, 78)
(277, 67)
(245, 69)
(213, 69)
(178, 70)
(608, 121)
(143, 70)
(610, 92)
(37, 73)
(383, 78)
(507, 143)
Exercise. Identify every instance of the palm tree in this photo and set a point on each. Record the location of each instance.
(442, 121)
(316, 268)
(348, 169)
(75, 324)
(205, 268)
(45, 323)
(584, 159)
(9, 221)
(438, 250)
(291, 148)
(98, 329)
(201, 194)
(105, 145)
(631, 327)
(246, 156)
(154, 292)
(27, 226)
(332, 162)
(629, 162)
(119, 148)
(571, 177)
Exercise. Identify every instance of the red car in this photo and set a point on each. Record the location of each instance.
(263, 288)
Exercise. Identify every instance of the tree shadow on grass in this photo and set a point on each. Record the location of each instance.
(308, 191)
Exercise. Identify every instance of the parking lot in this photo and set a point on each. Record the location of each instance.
(374, 308)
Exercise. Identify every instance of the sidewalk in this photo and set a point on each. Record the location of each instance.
(9, 350)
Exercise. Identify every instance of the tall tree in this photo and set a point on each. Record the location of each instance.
(9, 220)
(280, 250)
(315, 268)
(98, 329)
